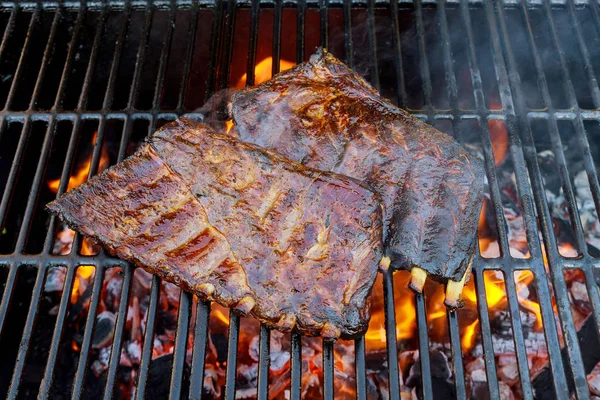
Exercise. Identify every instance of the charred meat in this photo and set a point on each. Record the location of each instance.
(325, 116)
(303, 245)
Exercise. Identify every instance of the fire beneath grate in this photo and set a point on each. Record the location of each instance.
(83, 85)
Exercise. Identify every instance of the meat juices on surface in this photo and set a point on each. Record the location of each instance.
(325, 116)
(307, 243)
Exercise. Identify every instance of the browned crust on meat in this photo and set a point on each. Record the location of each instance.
(324, 115)
(308, 240)
(142, 212)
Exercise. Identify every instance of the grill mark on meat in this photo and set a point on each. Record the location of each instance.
(156, 215)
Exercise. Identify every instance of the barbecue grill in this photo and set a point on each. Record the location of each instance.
(109, 73)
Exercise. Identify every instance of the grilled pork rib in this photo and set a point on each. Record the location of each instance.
(142, 212)
(325, 116)
(305, 244)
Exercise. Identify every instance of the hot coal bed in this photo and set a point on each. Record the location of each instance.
(83, 83)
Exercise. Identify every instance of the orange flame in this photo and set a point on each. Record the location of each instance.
(80, 176)
(406, 317)
(468, 338)
(522, 279)
(84, 274)
(221, 316)
(228, 125)
(262, 71)
(499, 137)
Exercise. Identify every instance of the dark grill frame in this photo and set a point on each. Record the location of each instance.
(514, 112)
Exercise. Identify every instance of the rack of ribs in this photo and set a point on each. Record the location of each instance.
(323, 115)
(296, 248)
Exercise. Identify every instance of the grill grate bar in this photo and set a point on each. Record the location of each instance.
(276, 38)
(164, 57)
(27, 333)
(296, 366)
(10, 25)
(424, 357)
(84, 352)
(400, 84)
(520, 350)
(486, 336)
(348, 32)
(300, 25)
(423, 61)
(199, 354)
(148, 340)
(189, 52)
(452, 86)
(46, 384)
(35, 188)
(372, 45)
(36, 115)
(39, 283)
(323, 11)
(21, 65)
(89, 73)
(10, 283)
(47, 54)
(215, 45)
(69, 61)
(360, 368)
(234, 333)
(115, 351)
(592, 289)
(327, 369)
(264, 363)
(589, 69)
(139, 65)
(390, 332)
(457, 364)
(252, 41)
(550, 329)
(522, 182)
(7, 295)
(179, 352)
(228, 32)
(14, 170)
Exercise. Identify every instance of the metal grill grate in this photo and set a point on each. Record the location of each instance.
(64, 66)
